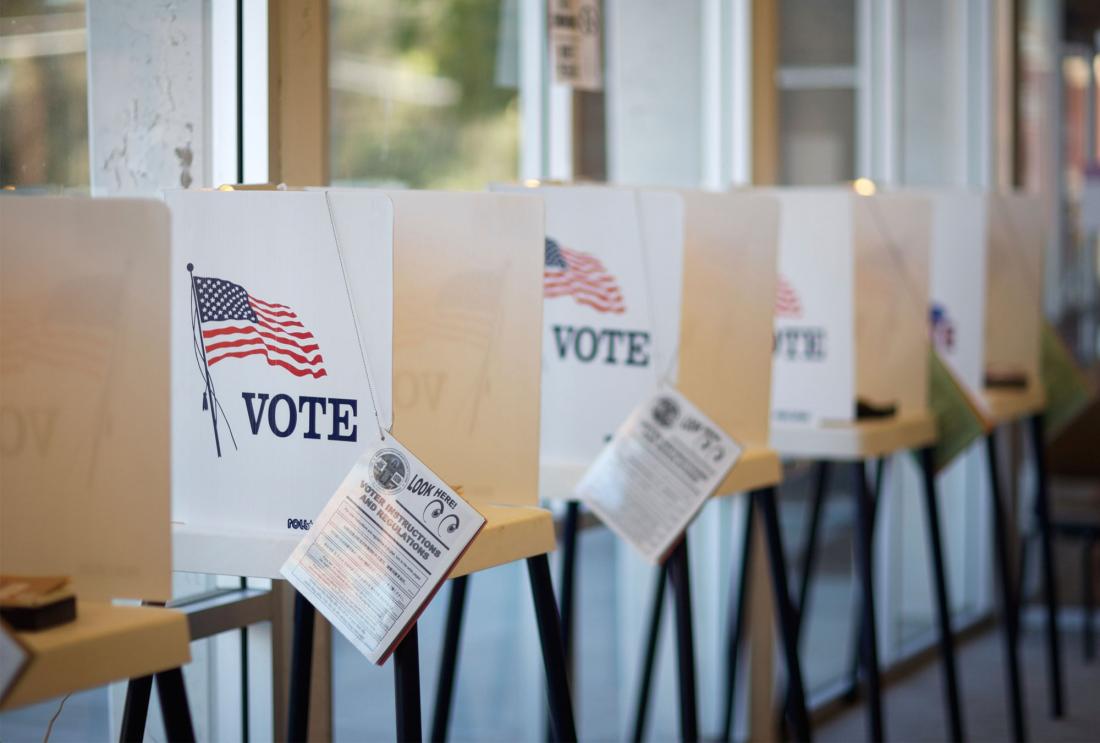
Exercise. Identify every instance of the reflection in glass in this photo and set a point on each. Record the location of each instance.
(43, 93)
(424, 94)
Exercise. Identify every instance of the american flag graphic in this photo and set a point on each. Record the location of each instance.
(579, 275)
(236, 324)
(786, 300)
(943, 330)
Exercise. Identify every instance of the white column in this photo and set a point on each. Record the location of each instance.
(148, 126)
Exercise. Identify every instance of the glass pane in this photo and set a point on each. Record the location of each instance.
(424, 94)
(816, 136)
(817, 32)
(43, 93)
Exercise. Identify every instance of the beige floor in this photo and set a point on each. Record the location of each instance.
(913, 708)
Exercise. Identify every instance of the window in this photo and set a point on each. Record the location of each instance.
(424, 94)
(43, 94)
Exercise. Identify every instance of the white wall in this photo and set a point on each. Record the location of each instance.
(654, 52)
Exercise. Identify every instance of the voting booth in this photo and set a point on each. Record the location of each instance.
(644, 286)
(324, 315)
(851, 339)
(85, 394)
(986, 315)
(851, 369)
(281, 303)
(356, 315)
(610, 320)
(725, 367)
(84, 443)
(986, 295)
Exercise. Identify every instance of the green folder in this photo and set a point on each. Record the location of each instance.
(958, 422)
(1067, 389)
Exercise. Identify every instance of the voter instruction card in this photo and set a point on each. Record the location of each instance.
(657, 472)
(381, 548)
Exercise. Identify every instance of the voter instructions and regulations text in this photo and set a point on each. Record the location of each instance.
(659, 469)
(381, 547)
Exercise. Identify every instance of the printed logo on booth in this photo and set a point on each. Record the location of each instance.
(228, 323)
(571, 273)
(795, 341)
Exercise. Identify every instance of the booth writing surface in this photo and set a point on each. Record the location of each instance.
(84, 394)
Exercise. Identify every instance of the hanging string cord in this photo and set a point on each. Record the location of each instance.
(196, 335)
(49, 727)
(666, 376)
(354, 317)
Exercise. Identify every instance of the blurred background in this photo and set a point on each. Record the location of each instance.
(130, 97)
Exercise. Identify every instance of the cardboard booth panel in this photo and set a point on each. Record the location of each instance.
(280, 302)
(958, 281)
(84, 394)
(661, 214)
(467, 331)
(892, 234)
(814, 376)
(1014, 302)
(730, 253)
(604, 335)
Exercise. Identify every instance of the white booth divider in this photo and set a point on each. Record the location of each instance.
(987, 289)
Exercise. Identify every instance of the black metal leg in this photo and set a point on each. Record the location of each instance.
(301, 665)
(939, 587)
(1088, 589)
(869, 635)
(649, 659)
(809, 552)
(444, 690)
(246, 734)
(680, 578)
(553, 652)
(1008, 602)
(1050, 584)
(736, 627)
(857, 637)
(568, 575)
(173, 706)
(406, 681)
(785, 614)
(136, 709)
(566, 590)
(1022, 566)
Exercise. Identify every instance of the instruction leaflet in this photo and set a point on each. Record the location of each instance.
(657, 472)
(382, 546)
